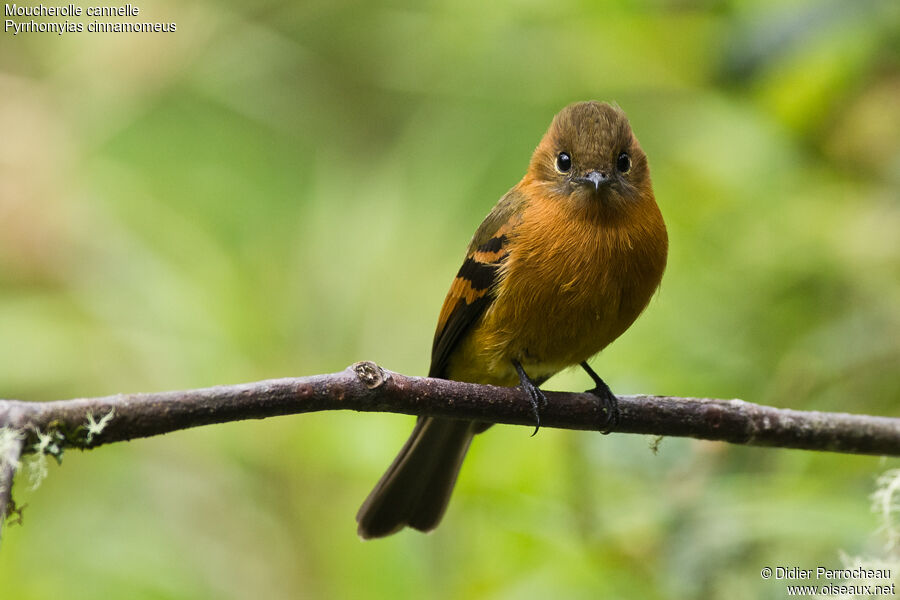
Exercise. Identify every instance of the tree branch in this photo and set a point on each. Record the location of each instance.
(366, 387)
(91, 422)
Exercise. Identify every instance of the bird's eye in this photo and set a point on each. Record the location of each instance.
(563, 162)
(623, 163)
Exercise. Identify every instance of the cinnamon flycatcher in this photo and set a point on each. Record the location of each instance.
(562, 266)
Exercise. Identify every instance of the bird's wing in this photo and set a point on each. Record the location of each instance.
(472, 290)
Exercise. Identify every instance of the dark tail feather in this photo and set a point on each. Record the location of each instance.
(416, 488)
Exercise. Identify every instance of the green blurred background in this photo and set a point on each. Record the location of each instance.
(282, 189)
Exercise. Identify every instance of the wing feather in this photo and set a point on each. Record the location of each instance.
(472, 290)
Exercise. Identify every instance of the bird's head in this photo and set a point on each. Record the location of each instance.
(589, 154)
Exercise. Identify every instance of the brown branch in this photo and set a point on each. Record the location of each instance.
(366, 387)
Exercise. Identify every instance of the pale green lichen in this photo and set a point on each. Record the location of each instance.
(886, 504)
(10, 449)
(51, 442)
(36, 468)
(9, 452)
(96, 427)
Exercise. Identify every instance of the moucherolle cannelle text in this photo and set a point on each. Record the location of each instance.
(68, 19)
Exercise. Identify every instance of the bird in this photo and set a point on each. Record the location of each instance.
(561, 266)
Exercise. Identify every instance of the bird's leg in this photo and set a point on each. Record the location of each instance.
(608, 400)
(535, 395)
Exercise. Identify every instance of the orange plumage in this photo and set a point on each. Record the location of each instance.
(563, 265)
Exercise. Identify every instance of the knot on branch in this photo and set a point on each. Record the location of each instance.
(371, 375)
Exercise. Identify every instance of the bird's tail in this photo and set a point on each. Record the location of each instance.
(416, 488)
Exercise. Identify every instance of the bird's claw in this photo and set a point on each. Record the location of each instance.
(538, 403)
(609, 407)
(609, 404)
(535, 395)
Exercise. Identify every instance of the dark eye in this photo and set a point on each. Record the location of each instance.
(623, 163)
(563, 162)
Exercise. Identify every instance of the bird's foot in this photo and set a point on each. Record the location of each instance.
(535, 395)
(609, 404)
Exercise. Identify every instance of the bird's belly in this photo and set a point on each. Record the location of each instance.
(564, 330)
(546, 332)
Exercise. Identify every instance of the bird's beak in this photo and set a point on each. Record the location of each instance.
(595, 178)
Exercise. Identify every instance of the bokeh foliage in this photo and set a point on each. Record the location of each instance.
(286, 188)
